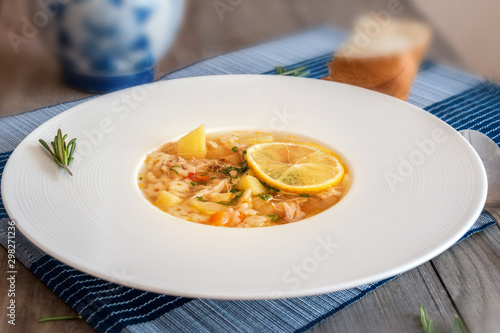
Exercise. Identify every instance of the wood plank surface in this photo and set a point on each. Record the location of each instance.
(30, 78)
(394, 307)
(34, 300)
(470, 272)
(391, 308)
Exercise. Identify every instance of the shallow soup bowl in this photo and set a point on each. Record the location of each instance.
(416, 188)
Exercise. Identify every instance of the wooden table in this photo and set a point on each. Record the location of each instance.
(464, 280)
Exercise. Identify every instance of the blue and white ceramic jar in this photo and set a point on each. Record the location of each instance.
(106, 45)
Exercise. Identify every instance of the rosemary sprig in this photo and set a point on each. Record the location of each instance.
(63, 153)
(46, 319)
(458, 326)
(299, 71)
(428, 325)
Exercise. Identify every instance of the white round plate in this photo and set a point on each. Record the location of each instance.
(417, 187)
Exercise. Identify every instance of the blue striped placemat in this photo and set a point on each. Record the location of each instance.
(462, 100)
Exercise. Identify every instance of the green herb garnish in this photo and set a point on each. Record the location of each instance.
(270, 189)
(244, 152)
(227, 170)
(140, 178)
(265, 196)
(192, 183)
(63, 153)
(305, 195)
(46, 319)
(235, 149)
(233, 200)
(213, 178)
(275, 218)
(236, 197)
(299, 71)
(200, 199)
(224, 203)
(172, 168)
(243, 168)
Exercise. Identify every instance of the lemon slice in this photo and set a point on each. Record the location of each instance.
(295, 167)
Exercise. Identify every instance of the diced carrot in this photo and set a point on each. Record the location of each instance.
(219, 218)
(195, 176)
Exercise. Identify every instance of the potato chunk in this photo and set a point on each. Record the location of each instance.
(193, 144)
(167, 199)
(221, 197)
(250, 182)
(207, 207)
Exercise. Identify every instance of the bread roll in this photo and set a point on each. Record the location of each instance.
(381, 55)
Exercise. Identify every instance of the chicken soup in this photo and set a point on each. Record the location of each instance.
(242, 179)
